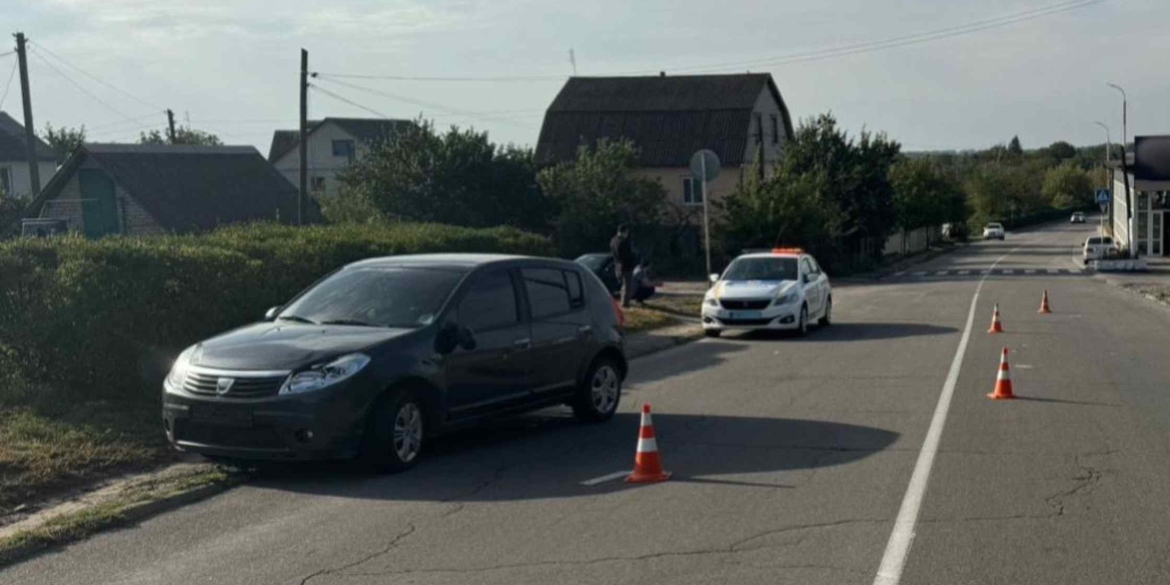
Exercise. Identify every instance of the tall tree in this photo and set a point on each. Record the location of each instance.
(1014, 147)
(64, 140)
(183, 135)
(1067, 186)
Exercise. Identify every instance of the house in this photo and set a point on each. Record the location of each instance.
(15, 180)
(669, 118)
(1144, 231)
(139, 189)
(333, 143)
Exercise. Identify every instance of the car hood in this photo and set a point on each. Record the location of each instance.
(285, 346)
(751, 289)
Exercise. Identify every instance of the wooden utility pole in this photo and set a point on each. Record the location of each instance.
(30, 137)
(171, 124)
(304, 152)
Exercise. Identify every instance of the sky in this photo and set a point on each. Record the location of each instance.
(231, 66)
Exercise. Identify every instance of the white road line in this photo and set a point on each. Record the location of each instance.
(898, 547)
(1029, 271)
(941, 273)
(1053, 271)
(964, 272)
(900, 273)
(1007, 271)
(920, 273)
(984, 272)
(605, 478)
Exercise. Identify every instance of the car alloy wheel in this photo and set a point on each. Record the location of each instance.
(599, 392)
(408, 432)
(604, 388)
(802, 328)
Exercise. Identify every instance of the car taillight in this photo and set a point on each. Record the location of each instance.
(618, 313)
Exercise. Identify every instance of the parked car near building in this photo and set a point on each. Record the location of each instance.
(993, 231)
(1097, 248)
(382, 354)
(601, 265)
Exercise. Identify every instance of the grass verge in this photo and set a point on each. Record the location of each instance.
(662, 311)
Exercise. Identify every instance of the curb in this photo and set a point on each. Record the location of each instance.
(667, 342)
(130, 514)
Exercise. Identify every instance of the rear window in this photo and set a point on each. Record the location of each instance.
(549, 291)
(995, 226)
(1094, 241)
(1106, 240)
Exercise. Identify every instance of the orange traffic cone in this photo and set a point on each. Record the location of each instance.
(1003, 381)
(1044, 303)
(995, 325)
(647, 466)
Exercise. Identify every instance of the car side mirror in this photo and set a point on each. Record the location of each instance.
(453, 335)
(713, 278)
(270, 314)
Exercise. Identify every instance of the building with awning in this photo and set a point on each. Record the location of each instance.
(1138, 215)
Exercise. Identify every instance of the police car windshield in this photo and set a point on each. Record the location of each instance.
(760, 268)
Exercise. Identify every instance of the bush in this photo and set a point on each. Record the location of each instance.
(105, 318)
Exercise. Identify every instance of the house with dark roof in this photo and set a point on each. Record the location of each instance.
(333, 143)
(670, 117)
(1138, 215)
(15, 179)
(139, 189)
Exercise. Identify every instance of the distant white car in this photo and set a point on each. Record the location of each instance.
(993, 231)
(1098, 247)
(1077, 217)
(780, 290)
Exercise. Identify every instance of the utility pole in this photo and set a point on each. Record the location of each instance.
(304, 152)
(171, 124)
(30, 137)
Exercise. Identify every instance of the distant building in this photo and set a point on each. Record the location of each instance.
(669, 118)
(138, 189)
(333, 144)
(1144, 231)
(15, 179)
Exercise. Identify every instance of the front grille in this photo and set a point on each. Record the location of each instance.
(225, 436)
(745, 305)
(244, 385)
(746, 322)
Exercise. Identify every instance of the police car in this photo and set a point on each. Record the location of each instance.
(782, 289)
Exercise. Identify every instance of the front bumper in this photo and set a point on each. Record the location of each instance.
(782, 318)
(315, 425)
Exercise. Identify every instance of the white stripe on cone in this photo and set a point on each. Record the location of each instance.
(647, 445)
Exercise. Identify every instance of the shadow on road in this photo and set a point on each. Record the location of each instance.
(683, 360)
(853, 332)
(548, 455)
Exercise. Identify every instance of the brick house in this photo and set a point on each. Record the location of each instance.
(135, 189)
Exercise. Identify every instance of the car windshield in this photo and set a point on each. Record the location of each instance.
(377, 297)
(994, 226)
(761, 269)
(1094, 241)
(593, 262)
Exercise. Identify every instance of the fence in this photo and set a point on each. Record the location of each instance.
(911, 242)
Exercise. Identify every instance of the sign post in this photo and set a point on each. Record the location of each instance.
(1103, 197)
(704, 168)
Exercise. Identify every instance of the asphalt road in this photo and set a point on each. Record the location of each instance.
(792, 459)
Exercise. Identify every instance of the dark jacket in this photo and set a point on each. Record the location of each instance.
(623, 254)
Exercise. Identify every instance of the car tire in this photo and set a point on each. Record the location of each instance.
(712, 332)
(827, 318)
(395, 433)
(599, 392)
(802, 324)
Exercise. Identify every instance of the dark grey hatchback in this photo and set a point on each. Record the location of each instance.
(382, 354)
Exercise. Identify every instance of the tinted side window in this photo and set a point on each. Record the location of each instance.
(490, 303)
(805, 267)
(548, 294)
(576, 294)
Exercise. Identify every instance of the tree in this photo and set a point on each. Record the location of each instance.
(923, 195)
(1061, 151)
(597, 191)
(787, 209)
(64, 140)
(1014, 148)
(459, 177)
(1067, 186)
(183, 135)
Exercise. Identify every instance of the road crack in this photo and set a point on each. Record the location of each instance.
(1086, 480)
(394, 542)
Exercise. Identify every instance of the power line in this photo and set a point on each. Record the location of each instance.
(81, 89)
(8, 86)
(95, 78)
(348, 101)
(504, 79)
(2, 55)
(112, 125)
(434, 106)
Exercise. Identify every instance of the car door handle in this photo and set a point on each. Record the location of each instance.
(585, 330)
(522, 343)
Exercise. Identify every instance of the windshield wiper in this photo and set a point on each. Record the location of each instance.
(296, 318)
(348, 322)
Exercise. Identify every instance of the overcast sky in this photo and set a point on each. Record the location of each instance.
(231, 66)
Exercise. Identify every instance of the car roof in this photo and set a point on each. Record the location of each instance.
(771, 255)
(465, 262)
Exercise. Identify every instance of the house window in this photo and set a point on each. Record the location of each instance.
(343, 148)
(759, 129)
(775, 130)
(317, 184)
(692, 191)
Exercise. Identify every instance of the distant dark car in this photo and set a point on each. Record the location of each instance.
(381, 355)
(601, 265)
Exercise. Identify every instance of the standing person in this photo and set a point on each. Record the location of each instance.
(624, 262)
(644, 283)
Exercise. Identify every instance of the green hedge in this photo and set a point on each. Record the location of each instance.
(105, 318)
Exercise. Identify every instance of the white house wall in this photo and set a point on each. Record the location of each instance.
(322, 163)
(766, 106)
(22, 180)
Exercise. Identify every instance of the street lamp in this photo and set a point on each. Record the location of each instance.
(1108, 142)
(1124, 109)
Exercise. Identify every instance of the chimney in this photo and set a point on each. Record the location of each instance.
(662, 74)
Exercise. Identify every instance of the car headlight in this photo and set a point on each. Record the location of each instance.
(711, 302)
(324, 375)
(178, 373)
(784, 299)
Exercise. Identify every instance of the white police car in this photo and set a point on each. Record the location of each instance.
(781, 290)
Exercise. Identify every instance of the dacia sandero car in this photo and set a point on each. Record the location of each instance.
(379, 356)
(780, 290)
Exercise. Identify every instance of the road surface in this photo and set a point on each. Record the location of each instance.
(794, 460)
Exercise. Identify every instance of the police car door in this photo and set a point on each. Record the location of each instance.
(812, 287)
